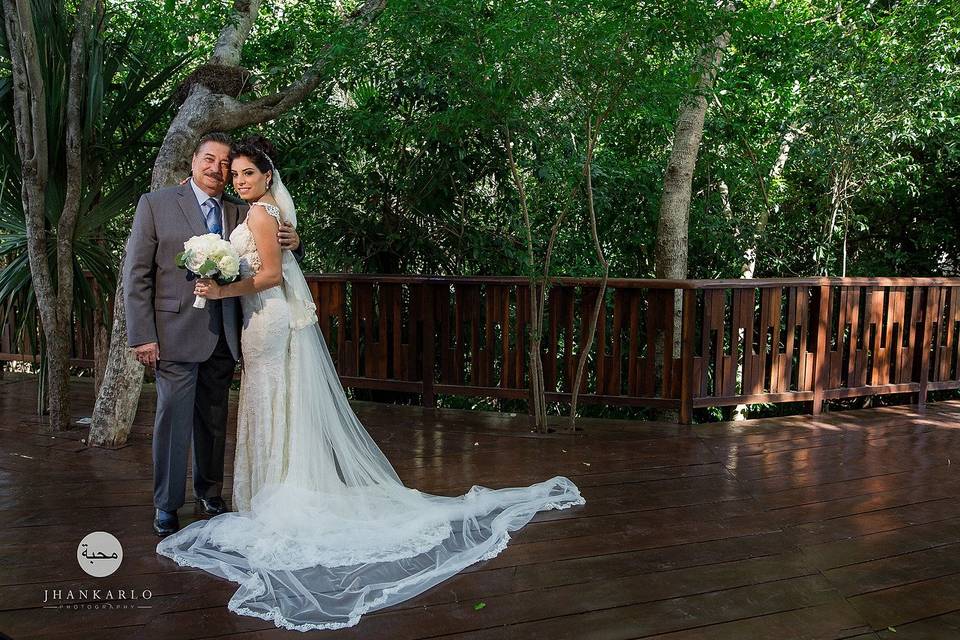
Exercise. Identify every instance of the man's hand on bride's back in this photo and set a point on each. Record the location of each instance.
(288, 237)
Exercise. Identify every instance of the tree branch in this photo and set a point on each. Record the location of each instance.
(235, 33)
(28, 88)
(30, 120)
(240, 114)
(67, 223)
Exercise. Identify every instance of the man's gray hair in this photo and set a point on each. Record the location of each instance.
(213, 136)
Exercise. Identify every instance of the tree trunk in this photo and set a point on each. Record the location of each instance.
(58, 376)
(770, 207)
(54, 297)
(750, 255)
(601, 294)
(537, 390)
(101, 348)
(203, 111)
(119, 394)
(673, 227)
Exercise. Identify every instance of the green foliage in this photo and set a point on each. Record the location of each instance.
(402, 165)
(874, 89)
(123, 101)
(398, 164)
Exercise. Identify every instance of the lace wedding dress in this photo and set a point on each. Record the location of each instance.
(323, 529)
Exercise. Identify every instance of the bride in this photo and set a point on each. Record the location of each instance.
(324, 530)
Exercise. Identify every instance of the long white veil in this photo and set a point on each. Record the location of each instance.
(341, 535)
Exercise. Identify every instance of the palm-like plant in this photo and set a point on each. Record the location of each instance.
(124, 98)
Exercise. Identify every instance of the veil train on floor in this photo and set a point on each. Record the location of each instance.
(341, 535)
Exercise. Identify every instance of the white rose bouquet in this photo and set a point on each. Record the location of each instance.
(209, 256)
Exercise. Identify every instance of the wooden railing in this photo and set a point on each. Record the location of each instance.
(24, 346)
(739, 342)
(679, 345)
(817, 339)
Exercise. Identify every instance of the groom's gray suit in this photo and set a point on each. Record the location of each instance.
(199, 348)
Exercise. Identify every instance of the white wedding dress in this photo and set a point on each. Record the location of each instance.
(323, 529)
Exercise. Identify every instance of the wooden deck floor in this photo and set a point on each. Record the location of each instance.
(845, 526)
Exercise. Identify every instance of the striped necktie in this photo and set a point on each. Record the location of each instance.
(212, 216)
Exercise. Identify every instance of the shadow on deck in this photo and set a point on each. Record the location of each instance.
(841, 526)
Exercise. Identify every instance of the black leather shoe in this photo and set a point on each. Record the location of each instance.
(165, 522)
(211, 506)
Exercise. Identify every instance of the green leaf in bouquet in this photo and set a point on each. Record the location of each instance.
(208, 268)
(181, 259)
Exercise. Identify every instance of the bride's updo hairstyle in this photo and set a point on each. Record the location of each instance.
(259, 151)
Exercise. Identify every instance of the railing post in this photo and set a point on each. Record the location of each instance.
(429, 400)
(821, 368)
(926, 341)
(688, 333)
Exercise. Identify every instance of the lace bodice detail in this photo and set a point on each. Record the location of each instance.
(302, 310)
(242, 240)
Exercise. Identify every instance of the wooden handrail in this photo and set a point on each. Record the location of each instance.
(641, 283)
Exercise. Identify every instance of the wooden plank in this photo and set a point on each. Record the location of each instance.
(736, 344)
(791, 339)
(614, 361)
(947, 346)
(554, 303)
(887, 348)
(669, 301)
(451, 369)
(821, 364)
(776, 302)
(569, 340)
(633, 386)
(689, 328)
(339, 299)
(896, 310)
(473, 311)
(415, 333)
(519, 331)
(759, 369)
(875, 324)
(805, 363)
(928, 339)
(429, 400)
(461, 302)
(856, 358)
(599, 340)
(749, 311)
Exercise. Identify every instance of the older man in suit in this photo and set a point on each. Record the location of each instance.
(194, 351)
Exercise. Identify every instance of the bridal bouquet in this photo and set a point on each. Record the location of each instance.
(209, 256)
